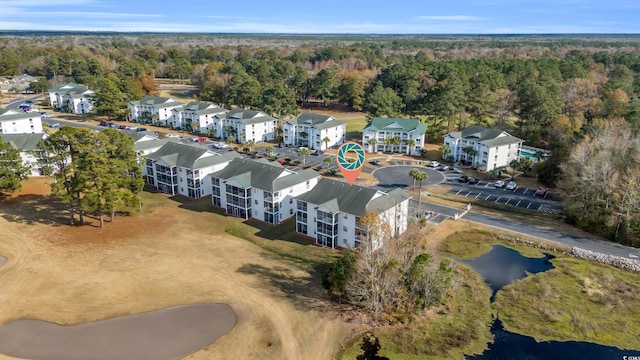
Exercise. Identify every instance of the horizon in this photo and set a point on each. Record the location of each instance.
(283, 17)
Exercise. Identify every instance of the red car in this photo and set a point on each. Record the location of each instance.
(200, 139)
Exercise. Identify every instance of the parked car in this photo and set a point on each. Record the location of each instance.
(434, 164)
(499, 184)
(375, 162)
(54, 125)
(172, 136)
(542, 191)
(444, 168)
(102, 123)
(318, 152)
(200, 139)
(46, 115)
(473, 180)
(512, 185)
(302, 148)
(141, 129)
(463, 179)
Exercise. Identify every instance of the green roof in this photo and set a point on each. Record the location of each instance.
(267, 176)
(339, 196)
(192, 156)
(319, 121)
(23, 141)
(395, 124)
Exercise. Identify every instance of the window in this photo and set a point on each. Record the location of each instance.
(256, 202)
(344, 228)
(345, 216)
(290, 200)
(290, 211)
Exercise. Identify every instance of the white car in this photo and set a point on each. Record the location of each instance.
(499, 184)
(512, 185)
(172, 136)
(219, 145)
(434, 164)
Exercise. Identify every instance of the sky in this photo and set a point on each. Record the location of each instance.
(325, 16)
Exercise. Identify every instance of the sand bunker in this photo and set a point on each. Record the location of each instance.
(3, 260)
(170, 333)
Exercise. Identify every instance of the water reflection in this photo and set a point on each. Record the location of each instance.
(508, 345)
(501, 266)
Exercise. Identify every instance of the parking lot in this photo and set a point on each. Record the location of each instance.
(520, 196)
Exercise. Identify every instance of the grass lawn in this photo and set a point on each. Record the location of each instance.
(576, 301)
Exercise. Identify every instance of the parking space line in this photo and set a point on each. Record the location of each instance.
(458, 193)
(528, 206)
(525, 191)
(507, 203)
(487, 198)
(518, 204)
(497, 199)
(477, 195)
(468, 194)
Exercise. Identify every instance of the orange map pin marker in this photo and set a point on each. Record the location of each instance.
(350, 167)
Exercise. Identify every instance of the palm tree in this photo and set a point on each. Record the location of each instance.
(304, 153)
(326, 142)
(466, 150)
(413, 174)
(539, 155)
(387, 142)
(250, 144)
(327, 161)
(410, 144)
(231, 140)
(373, 142)
(473, 153)
(268, 151)
(396, 141)
(445, 149)
(420, 176)
(280, 133)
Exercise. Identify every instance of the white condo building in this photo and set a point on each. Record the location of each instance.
(197, 116)
(245, 125)
(492, 148)
(181, 169)
(153, 110)
(406, 136)
(312, 130)
(260, 189)
(330, 213)
(29, 150)
(73, 98)
(16, 121)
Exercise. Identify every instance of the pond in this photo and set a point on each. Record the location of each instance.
(500, 267)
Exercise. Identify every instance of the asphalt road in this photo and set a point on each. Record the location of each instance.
(397, 176)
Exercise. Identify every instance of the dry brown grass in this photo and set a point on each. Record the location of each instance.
(166, 255)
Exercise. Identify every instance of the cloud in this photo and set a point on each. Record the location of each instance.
(451, 18)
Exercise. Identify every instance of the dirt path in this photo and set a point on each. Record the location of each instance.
(166, 257)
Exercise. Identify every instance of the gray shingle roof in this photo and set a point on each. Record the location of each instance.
(249, 116)
(156, 101)
(63, 89)
(23, 141)
(12, 114)
(317, 120)
(339, 196)
(270, 177)
(394, 124)
(188, 156)
(491, 137)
